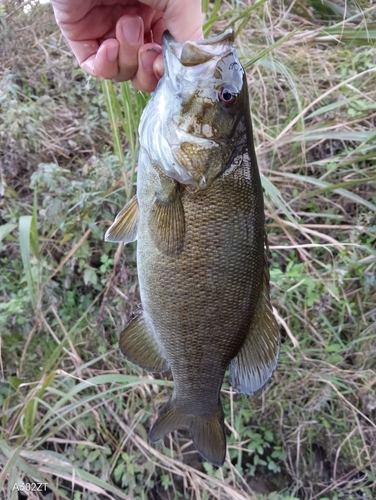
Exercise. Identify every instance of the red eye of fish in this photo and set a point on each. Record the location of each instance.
(227, 95)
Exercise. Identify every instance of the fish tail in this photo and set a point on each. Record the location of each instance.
(207, 432)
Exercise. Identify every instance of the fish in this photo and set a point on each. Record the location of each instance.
(202, 251)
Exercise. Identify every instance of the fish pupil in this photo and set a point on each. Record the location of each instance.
(227, 95)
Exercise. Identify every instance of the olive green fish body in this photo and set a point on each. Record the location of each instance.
(200, 302)
(201, 254)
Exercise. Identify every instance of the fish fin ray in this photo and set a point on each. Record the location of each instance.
(207, 432)
(138, 345)
(208, 435)
(125, 226)
(167, 225)
(256, 361)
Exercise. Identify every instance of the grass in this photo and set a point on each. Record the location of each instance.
(75, 415)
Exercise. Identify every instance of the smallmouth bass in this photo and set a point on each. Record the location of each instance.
(198, 217)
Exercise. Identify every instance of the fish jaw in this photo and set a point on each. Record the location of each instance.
(185, 128)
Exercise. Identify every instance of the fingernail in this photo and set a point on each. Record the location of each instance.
(88, 66)
(158, 67)
(148, 58)
(132, 29)
(112, 53)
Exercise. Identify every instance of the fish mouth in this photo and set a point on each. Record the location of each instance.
(227, 36)
(198, 52)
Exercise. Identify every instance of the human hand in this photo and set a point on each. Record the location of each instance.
(121, 39)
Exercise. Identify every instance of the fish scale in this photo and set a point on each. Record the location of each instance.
(198, 217)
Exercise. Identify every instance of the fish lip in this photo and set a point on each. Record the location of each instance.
(170, 49)
(227, 36)
(168, 43)
(167, 38)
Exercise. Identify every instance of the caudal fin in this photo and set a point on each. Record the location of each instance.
(207, 432)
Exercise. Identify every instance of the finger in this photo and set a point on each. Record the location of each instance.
(182, 19)
(130, 34)
(106, 64)
(85, 52)
(145, 78)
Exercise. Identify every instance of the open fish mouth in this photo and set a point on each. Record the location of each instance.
(200, 55)
(200, 51)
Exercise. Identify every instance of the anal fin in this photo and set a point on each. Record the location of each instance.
(256, 361)
(138, 346)
(125, 225)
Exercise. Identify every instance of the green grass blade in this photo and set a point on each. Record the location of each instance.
(34, 240)
(55, 464)
(364, 36)
(8, 459)
(276, 196)
(133, 103)
(130, 121)
(6, 229)
(72, 403)
(244, 16)
(269, 49)
(328, 8)
(327, 186)
(112, 107)
(25, 228)
(28, 421)
(124, 112)
(115, 116)
(16, 466)
(331, 107)
(213, 14)
(298, 117)
(54, 358)
(322, 134)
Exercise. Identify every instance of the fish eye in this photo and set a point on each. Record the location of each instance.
(228, 95)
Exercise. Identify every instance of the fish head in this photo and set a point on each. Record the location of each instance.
(200, 103)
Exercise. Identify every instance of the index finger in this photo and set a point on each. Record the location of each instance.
(182, 19)
(85, 52)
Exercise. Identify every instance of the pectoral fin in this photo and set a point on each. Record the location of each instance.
(166, 222)
(138, 345)
(125, 226)
(257, 359)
